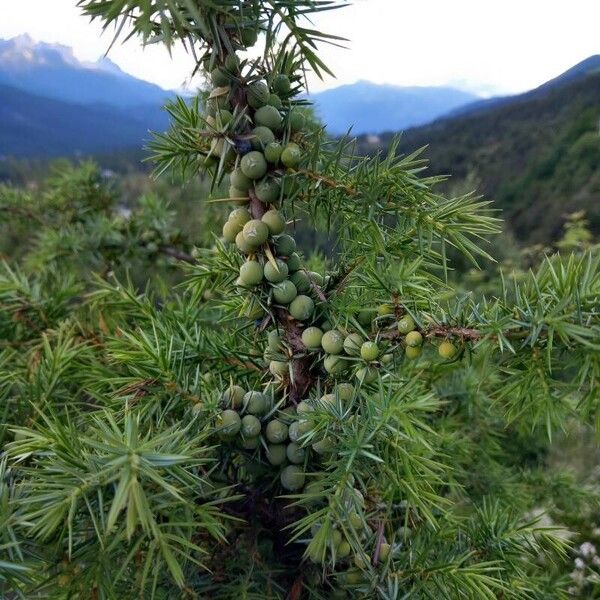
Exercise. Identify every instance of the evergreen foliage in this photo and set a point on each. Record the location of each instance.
(279, 425)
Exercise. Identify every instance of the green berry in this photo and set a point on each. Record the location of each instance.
(311, 338)
(302, 308)
(240, 196)
(276, 432)
(328, 399)
(352, 344)
(284, 292)
(343, 550)
(413, 339)
(254, 165)
(268, 116)
(239, 217)
(274, 341)
(230, 231)
(275, 100)
(291, 155)
(250, 443)
(324, 446)
(447, 350)
(387, 359)
(232, 63)
(293, 262)
(285, 245)
(239, 181)
(369, 351)
(219, 77)
(355, 520)
(279, 368)
(294, 431)
(333, 342)
(366, 375)
(250, 426)
(273, 219)
(292, 478)
(301, 281)
(273, 152)
(267, 191)
(384, 552)
(406, 324)
(251, 273)
(317, 278)
(281, 84)
(256, 403)
(276, 273)
(345, 391)
(242, 244)
(261, 137)
(256, 233)
(295, 453)
(334, 364)
(413, 352)
(366, 316)
(304, 408)
(296, 120)
(258, 94)
(254, 310)
(384, 310)
(229, 423)
(233, 396)
(276, 454)
(248, 37)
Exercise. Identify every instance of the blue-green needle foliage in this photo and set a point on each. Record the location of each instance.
(264, 430)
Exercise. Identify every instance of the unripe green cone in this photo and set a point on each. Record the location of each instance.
(413, 352)
(285, 245)
(301, 281)
(333, 342)
(324, 446)
(275, 100)
(406, 324)
(250, 426)
(276, 274)
(352, 344)
(304, 408)
(447, 350)
(251, 273)
(273, 219)
(239, 181)
(254, 165)
(248, 36)
(343, 550)
(258, 94)
(242, 244)
(233, 396)
(273, 152)
(219, 77)
(268, 116)
(302, 308)
(311, 338)
(294, 431)
(366, 374)
(268, 191)
(279, 368)
(276, 454)
(385, 310)
(296, 120)
(366, 316)
(317, 278)
(345, 391)
(276, 432)
(292, 478)
(256, 233)
(293, 262)
(230, 231)
(261, 137)
(229, 423)
(384, 552)
(256, 403)
(334, 364)
(239, 217)
(295, 453)
(291, 155)
(240, 196)
(250, 443)
(232, 63)
(274, 341)
(281, 84)
(284, 292)
(369, 351)
(413, 339)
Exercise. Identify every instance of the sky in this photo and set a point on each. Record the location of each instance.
(486, 46)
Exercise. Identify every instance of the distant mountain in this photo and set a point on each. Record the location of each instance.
(53, 71)
(33, 126)
(537, 155)
(579, 71)
(372, 108)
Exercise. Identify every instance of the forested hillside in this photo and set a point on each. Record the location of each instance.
(537, 157)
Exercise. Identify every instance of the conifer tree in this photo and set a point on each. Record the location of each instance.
(283, 426)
